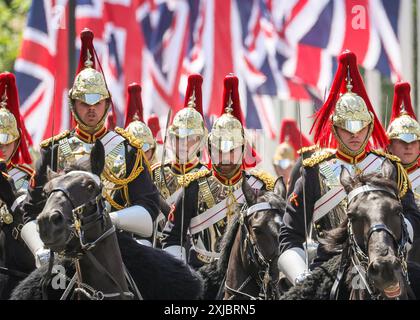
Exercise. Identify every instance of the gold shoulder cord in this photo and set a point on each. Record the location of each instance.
(123, 183)
(403, 181)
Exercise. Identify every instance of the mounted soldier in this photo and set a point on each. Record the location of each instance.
(210, 197)
(346, 122)
(134, 122)
(15, 174)
(127, 185)
(186, 135)
(404, 135)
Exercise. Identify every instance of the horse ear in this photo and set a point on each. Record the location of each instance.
(388, 170)
(346, 179)
(280, 187)
(51, 174)
(97, 158)
(250, 196)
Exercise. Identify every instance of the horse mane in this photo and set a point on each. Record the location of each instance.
(335, 238)
(228, 239)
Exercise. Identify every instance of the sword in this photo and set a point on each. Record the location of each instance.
(386, 112)
(304, 193)
(162, 171)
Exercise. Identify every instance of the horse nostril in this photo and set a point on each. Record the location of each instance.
(56, 218)
(375, 269)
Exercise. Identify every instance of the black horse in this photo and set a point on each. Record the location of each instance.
(372, 241)
(247, 267)
(75, 224)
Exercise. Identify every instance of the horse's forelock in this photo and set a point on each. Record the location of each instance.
(79, 170)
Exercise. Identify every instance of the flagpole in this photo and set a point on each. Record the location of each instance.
(71, 38)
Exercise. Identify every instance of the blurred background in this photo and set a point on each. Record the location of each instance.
(283, 51)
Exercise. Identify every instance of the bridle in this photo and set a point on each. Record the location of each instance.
(85, 217)
(262, 276)
(359, 258)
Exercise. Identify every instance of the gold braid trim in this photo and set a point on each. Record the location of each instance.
(137, 169)
(316, 158)
(186, 179)
(123, 183)
(265, 177)
(112, 202)
(132, 140)
(403, 180)
(306, 149)
(57, 137)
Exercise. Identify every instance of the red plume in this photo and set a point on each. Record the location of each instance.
(402, 97)
(231, 91)
(86, 37)
(22, 154)
(153, 124)
(290, 132)
(134, 103)
(195, 82)
(322, 124)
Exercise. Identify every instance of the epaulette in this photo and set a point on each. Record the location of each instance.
(386, 155)
(132, 140)
(403, 181)
(265, 177)
(316, 158)
(25, 168)
(47, 142)
(307, 149)
(186, 179)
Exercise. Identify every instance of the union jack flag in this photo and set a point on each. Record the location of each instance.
(283, 49)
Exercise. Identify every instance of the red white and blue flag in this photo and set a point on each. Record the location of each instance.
(284, 49)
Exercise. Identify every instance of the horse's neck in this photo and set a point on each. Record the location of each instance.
(107, 253)
(238, 270)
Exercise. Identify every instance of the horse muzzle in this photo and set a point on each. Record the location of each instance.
(53, 230)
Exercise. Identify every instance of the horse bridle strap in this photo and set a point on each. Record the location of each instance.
(366, 188)
(258, 207)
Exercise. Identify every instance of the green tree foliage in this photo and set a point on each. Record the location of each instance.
(12, 23)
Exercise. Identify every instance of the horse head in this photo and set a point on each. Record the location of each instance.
(376, 231)
(250, 247)
(74, 205)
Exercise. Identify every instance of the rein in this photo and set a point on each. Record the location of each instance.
(359, 258)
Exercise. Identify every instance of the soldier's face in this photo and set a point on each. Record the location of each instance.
(227, 163)
(90, 114)
(353, 141)
(185, 148)
(149, 154)
(407, 152)
(6, 151)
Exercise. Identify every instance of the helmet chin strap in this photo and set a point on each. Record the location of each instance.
(233, 172)
(342, 146)
(84, 126)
